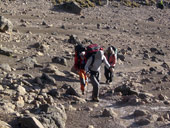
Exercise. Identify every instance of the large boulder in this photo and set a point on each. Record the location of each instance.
(52, 117)
(30, 122)
(5, 24)
(5, 51)
(125, 89)
(30, 62)
(4, 125)
(72, 7)
(5, 67)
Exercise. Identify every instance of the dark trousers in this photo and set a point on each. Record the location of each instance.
(94, 78)
(108, 74)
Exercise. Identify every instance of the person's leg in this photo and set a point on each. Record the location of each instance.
(85, 78)
(95, 84)
(111, 76)
(106, 73)
(82, 80)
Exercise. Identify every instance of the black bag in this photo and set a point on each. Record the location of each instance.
(91, 50)
(77, 61)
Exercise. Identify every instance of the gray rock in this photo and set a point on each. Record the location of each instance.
(40, 47)
(140, 113)
(50, 68)
(20, 102)
(30, 122)
(73, 39)
(98, 26)
(21, 90)
(166, 116)
(8, 107)
(144, 72)
(29, 61)
(1, 88)
(144, 95)
(109, 113)
(71, 108)
(121, 57)
(167, 102)
(165, 65)
(78, 99)
(162, 97)
(161, 118)
(4, 125)
(38, 81)
(154, 58)
(151, 19)
(5, 24)
(60, 60)
(165, 78)
(145, 80)
(90, 126)
(54, 93)
(156, 51)
(5, 67)
(71, 91)
(146, 56)
(125, 89)
(5, 51)
(66, 86)
(132, 99)
(47, 79)
(28, 75)
(72, 7)
(53, 117)
(143, 121)
(53, 69)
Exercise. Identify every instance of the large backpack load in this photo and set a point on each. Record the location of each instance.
(90, 50)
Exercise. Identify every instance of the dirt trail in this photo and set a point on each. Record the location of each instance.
(140, 34)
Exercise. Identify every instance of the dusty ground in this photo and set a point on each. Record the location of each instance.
(128, 29)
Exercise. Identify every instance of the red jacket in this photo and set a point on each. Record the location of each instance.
(79, 63)
(112, 59)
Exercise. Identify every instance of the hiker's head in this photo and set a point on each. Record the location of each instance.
(99, 55)
(110, 50)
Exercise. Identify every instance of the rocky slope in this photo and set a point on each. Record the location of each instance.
(38, 88)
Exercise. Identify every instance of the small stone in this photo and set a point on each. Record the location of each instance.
(151, 19)
(143, 121)
(90, 126)
(140, 113)
(109, 113)
(71, 108)
(162, 97)
(160, 118)
(167, 102)
(96, 105)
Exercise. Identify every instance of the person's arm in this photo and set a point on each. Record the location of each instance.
(89, 61)
(106, 62)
